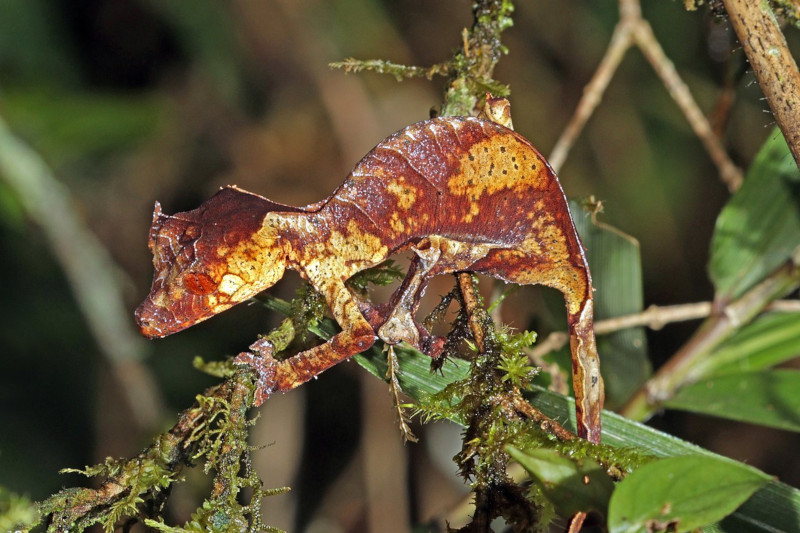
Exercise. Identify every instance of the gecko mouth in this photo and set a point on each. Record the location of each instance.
(162, 314)
(155, 321)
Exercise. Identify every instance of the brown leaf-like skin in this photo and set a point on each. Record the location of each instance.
(465, 194)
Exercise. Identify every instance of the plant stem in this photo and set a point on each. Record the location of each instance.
(632, 29)
(654, 317)
(775, 68)
(692, 361)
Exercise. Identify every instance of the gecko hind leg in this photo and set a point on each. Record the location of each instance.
(434, 255)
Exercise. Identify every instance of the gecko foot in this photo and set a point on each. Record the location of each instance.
(432, 345)
(260, 359)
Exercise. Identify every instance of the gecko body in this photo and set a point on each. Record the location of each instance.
(465, 194)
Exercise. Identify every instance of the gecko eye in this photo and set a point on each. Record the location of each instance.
(199, 282)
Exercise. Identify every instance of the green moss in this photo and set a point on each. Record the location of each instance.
(469, 70)
(384, 274)
(308, 308)
(214, 431)
(400, 72)
(16, 512)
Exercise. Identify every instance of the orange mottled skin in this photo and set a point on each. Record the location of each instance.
(465, 194)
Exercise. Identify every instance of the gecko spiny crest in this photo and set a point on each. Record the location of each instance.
(463, 194)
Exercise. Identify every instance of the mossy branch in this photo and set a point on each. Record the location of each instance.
(399, 71)
(213, 430)
(470, 69)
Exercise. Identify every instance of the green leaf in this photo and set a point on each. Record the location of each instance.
(769, 340)
(759, 228)
(768, 398)
(416, 378)
(683, 493)
(571, 485)
(776, 507)
(616, 267)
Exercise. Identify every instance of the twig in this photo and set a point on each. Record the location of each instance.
(392, 375)
(89, 269)
(547, 424)
(784, 306)
(472, 308)
(654, 317)
(633, 29)
(621, 40)
(691, 362)
(399, 71)
(730, 174)
(775, 68)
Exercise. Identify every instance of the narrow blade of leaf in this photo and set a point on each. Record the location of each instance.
(759, 228)
(776, 507)
(571, 485)
(766, 398)
(416, 378)
(684, 493)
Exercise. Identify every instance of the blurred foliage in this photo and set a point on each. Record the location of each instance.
(136, 100)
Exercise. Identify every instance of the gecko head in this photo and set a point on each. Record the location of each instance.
(208, 260)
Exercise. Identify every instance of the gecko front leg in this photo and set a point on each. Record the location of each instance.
(400, 324)
(356, 336)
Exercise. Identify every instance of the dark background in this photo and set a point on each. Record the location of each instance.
(132, 101)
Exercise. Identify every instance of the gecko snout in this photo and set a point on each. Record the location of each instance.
(149, 318)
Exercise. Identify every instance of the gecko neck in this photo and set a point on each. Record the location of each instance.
(294, 231)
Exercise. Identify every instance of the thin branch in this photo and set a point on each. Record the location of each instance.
(547, 424)
(399, 71)
(689, 363)
(784, 306)
(633, 29)
(775, 68)
(730, 174)
(473, 309)
(621, 40)
(654, 317)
